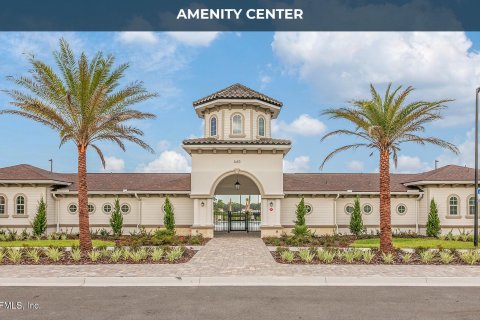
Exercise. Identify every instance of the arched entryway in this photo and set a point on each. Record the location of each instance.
(237, 204)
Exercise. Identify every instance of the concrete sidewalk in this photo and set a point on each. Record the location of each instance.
(239, 281)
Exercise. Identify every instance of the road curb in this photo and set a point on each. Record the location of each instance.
(238, 281)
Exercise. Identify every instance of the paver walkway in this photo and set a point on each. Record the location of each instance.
(236, 256)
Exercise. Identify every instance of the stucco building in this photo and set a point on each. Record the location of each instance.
(237, 159)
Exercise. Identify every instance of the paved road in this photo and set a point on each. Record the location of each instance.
(211, 303)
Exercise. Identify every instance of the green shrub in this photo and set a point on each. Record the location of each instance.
(196, 239)
(116, 255)
(326, 256)
(368, 256)
(406, 257)
(157, 254)
(433, 222)
(14, 255)
(356, 221)
(169, 217)
(427, 256)
(34, 255)
(287, 255)
(357, 254)
(175, 254)
(116, 220)
(136, 256)
(39, 223)
(470, 257)
(306, 255)
(76, 255)
(348, 256)
(2, 255)
(387, 258)
(54, 254)
(94, 255)
(300, 229)
(446, 257)
(125, 254)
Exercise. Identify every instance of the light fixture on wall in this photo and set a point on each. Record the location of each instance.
(237, 184)
(271, 204)
(203, 204)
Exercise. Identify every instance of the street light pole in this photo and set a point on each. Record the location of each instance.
(475, 223)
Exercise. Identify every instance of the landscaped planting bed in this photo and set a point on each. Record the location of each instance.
(102, 237)
(463, 240)
(368, 256)
(60, 256)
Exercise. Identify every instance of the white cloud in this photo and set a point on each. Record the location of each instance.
(304, 125)
(340, 65)
(408, 164)
(163, 145)
(467, 152)
(139, 37)
(355, 166)
(200, 38)
(168, 161)
(299, 164)
(114, 164)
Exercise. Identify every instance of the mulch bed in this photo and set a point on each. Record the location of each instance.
(66, 260)
(377, 260)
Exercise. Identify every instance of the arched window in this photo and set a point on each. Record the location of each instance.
(471, 205)
(261, 127)
(3, 205)
(20, 206)
(237, 127)
(213, 126)
(453, 206)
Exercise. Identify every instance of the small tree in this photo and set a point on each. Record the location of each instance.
(356, 221)
(300, 229)
(116, 219)
(433, 222)
(169, 217)
(39, 224)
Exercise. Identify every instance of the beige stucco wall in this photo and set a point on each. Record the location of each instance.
(32, 197)
(208, 170)
(441, 194)
(249, 115)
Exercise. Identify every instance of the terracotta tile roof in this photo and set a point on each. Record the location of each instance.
(262, 141)
(357, 182)
(28, 172)
(136, 182)
(446, 173)
(292, 182)
(237, 91)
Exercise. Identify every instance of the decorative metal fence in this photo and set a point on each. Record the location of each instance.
(236, 221)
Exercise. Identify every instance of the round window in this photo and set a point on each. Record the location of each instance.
(401, 209)
(72, 208)
(308, 208)
(349, 208)
(367, 208)
(107, 208)
(125, 208)
(91, 208)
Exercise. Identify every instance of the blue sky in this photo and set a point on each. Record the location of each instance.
(308, 72)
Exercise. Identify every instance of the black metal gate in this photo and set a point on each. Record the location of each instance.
(236, 221)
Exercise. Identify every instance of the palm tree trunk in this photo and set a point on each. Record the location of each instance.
(84, 224)
(385, 218)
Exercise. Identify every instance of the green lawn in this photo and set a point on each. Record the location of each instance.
(414, 243)
(54, 243)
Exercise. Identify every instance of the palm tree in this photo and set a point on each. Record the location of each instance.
(383, 124)
(84, 103)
